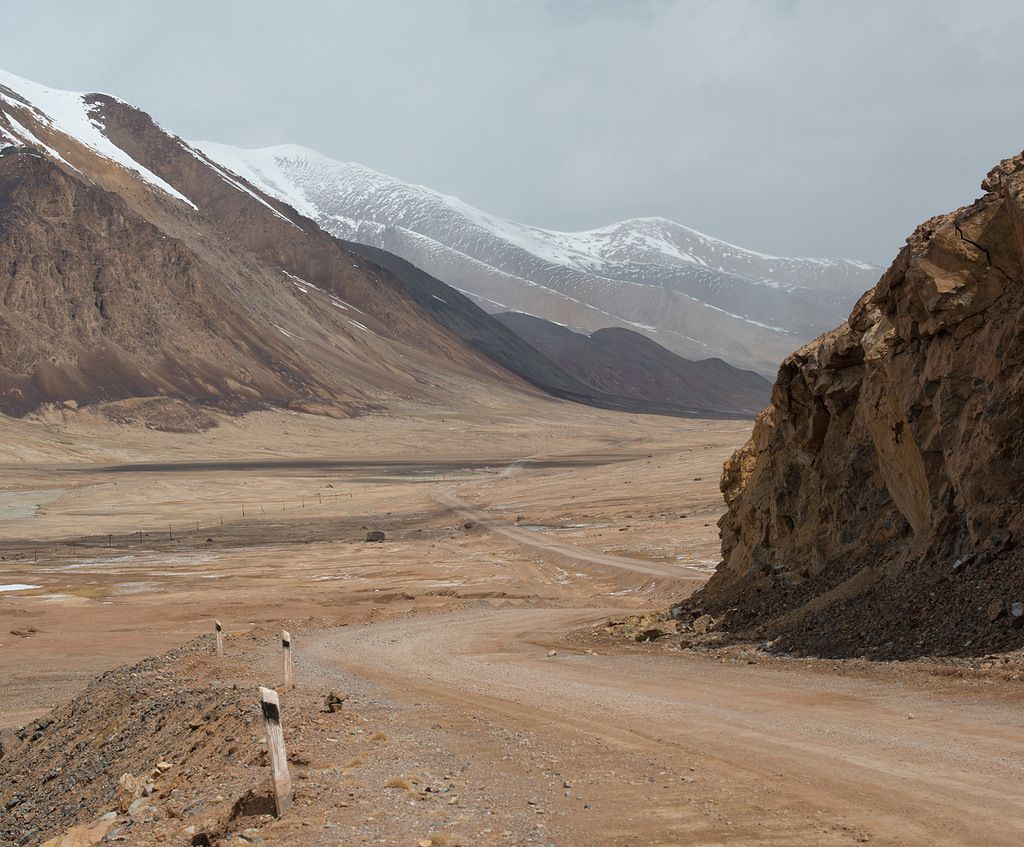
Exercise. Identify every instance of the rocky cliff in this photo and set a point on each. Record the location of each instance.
(877, 508)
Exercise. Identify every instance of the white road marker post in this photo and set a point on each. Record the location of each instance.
(270, 705)
(286, 646)
(218, 631)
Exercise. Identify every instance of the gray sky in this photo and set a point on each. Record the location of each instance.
(814, 128)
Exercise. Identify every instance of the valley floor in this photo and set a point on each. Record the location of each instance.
(486, 704)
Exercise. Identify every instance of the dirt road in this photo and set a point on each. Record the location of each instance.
(683, 749)
(636, 746)
(529, 538)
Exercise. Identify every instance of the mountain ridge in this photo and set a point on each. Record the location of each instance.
(697, 295)
(287, 313)
(621, 361)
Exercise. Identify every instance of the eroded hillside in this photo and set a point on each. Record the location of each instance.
(877, 507)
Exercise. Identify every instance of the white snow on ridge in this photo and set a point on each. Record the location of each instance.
(643, 273)
(210, 163)
(68, 113)
(30, 139)
(347, 198)
(264, 171)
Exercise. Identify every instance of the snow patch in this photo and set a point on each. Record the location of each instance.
(285, 332)
(67, 112)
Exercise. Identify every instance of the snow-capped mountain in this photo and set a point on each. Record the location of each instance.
(134, 271)
(694, 294)
(139, 276)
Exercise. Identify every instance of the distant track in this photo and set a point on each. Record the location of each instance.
(528, 538)
(407, 465)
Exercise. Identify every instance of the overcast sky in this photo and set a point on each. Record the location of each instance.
(790, 127)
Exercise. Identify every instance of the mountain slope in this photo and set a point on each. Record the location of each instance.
(139, 268)
(692, 293)
(132, 267)
(879, 506)
(620, 361)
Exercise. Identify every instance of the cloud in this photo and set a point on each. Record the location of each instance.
(791, 127)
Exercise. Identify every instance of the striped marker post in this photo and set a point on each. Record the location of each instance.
(270, 706)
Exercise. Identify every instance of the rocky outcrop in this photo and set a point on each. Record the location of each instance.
(878, 507)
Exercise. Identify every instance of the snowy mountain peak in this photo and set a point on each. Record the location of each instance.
(69, 113)
(698, 295)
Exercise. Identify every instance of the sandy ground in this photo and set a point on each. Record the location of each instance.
(510, 535)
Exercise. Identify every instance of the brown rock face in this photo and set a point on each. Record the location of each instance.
(879, 505)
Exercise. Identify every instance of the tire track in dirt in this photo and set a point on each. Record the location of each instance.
(783, 749)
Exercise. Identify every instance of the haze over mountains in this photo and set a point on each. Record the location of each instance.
(696, 295)
(138, 268)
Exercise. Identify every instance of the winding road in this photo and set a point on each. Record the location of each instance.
(768, 753)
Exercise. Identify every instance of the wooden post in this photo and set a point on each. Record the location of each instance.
(218, 630)
(286, 645)
(271, 708)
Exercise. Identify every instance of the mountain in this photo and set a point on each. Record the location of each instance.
(878, 508)
(132, 267)
(694, 294)
(522, 353)
(136, 273)
(623, 362)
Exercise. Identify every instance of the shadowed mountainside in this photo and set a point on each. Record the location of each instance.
(620, 361)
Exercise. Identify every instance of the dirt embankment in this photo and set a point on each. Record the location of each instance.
(877, 508)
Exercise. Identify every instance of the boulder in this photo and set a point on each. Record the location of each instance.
(129, 789)
(334, 701)
(85, 835)
(375, 535)
(1017, 614)
(703, 625)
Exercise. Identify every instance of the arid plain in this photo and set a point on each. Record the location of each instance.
(488, 702)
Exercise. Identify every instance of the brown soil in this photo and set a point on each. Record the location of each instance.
(460, 727)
